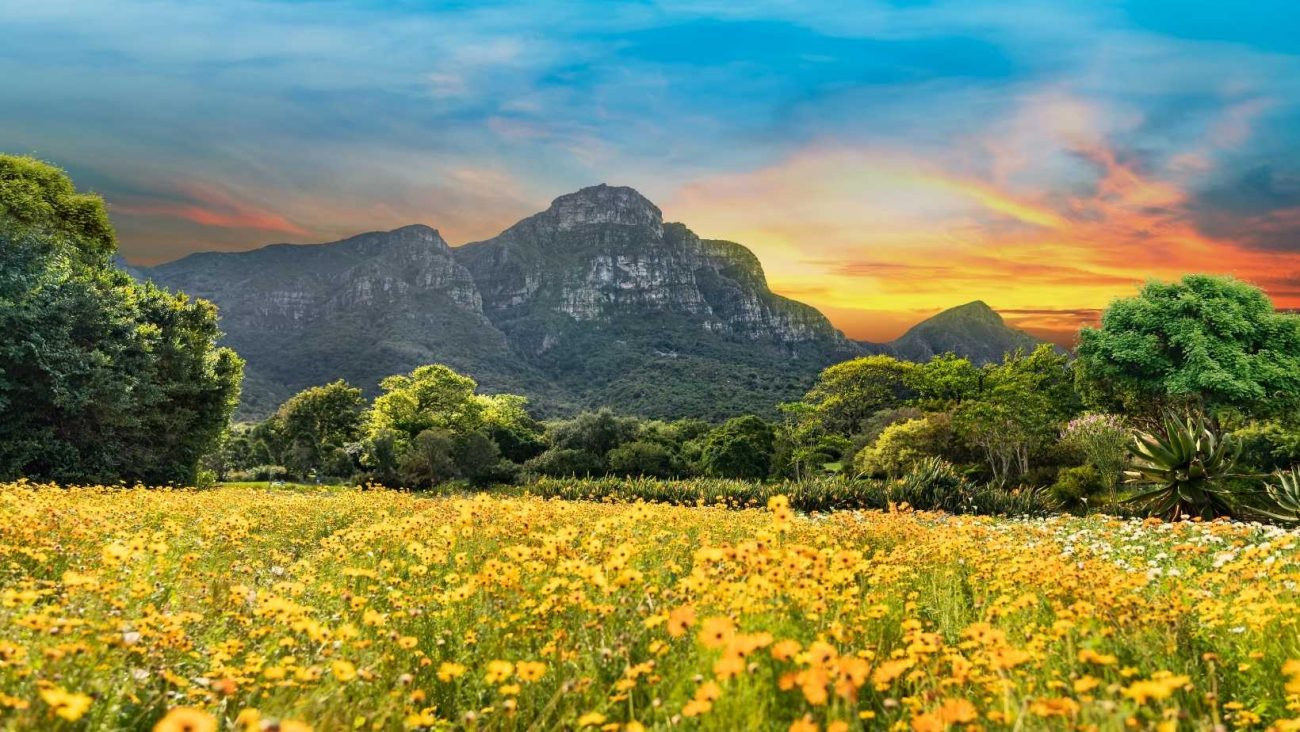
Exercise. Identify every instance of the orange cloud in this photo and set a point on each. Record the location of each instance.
(1048, 226)
(209, 206)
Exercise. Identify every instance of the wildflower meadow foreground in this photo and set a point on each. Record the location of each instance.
(256, 609)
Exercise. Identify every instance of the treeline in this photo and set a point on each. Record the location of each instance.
(431, 426)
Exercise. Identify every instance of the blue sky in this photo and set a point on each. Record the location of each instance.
(882, 159)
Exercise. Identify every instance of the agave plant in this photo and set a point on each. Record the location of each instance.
(1189, 464)
(1282, 498)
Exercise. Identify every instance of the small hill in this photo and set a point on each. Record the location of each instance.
(973, 330)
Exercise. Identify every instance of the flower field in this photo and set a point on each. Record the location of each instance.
(253, 609)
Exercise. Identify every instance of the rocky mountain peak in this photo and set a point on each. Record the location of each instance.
(604, 204)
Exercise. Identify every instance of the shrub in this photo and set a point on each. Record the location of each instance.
(1078, 487)
(902, 444)
(742, 447)
(642, 458)
(1102, 440)
(564, 462)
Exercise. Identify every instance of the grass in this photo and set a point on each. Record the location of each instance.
(348, 609)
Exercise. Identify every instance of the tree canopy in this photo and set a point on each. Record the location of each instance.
(1204, 341)
(101, 378)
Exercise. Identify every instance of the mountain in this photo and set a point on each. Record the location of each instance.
(973, 330)
(594, 301)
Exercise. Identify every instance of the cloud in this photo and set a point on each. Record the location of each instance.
(206, 205)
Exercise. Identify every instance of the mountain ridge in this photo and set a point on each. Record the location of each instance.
(594, 300)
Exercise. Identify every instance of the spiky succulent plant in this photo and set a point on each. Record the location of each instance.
(1189, 464)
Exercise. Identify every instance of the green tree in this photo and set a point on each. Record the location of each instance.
(318, 421)
(643, 457)
(101, 378)
(742, 447)
(1024, 401)
(1203, 342)
(38, 198)
(944, 381)
(511, 427)
(430, 397)
(847, 394)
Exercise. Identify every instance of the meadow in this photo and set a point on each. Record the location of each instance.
(250, 608)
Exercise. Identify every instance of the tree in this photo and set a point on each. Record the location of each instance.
(428, 459)
(1203, 342)
(38, 198)
(643, 457)
(742, 447)
(1024, 401)
(595, 432)
(944, 381)
(430, 397)
(317, 422)
(506, 419)
(848, 393)
(101, 378)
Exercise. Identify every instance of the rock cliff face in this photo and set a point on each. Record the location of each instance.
(594, 301)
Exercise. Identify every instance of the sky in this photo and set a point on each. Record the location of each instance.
(884, 160)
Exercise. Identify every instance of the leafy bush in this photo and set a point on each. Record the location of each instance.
(903, 444)
(641, 457)
(560, 462)
(1078, 487)
(936, 487)
(1102, 440)
(742, 447)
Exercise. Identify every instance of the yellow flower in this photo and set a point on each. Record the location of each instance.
(343, 671)
(529, 671)
(450, 670)
(591, 719)
(68, 705)
(186, 719)
(680, 619)
(498, 671)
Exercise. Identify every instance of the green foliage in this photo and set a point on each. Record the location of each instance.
(848, 393)
(1268, 445)
(561, 462)
(938, 488)
(511, 427)
(1078, 487)
(593, 432)
(101, 379)
(1283, 497)
(1024, 401)
(428, 459)
(1103, 440)
(1191, 466)
(742, 447)
(40, 199)
(430, 397)
(944, 381)
(643, 457)
(318, 422)
(1206, 342)
(902, 444)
